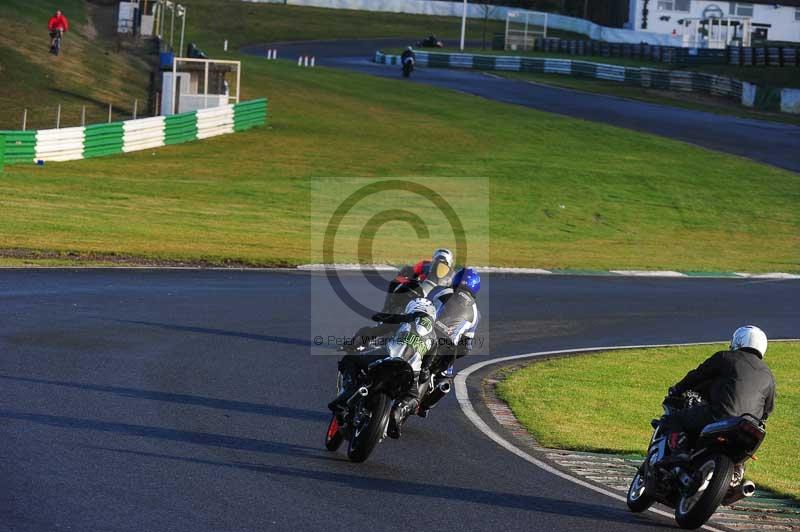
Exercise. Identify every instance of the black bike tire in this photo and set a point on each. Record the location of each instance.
(711, 499)
(363, 443)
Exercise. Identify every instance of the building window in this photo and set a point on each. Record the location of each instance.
(797, 13)
(741, 10)
(674, 5)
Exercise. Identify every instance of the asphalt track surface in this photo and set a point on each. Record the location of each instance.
(774, 143)
(154, 400)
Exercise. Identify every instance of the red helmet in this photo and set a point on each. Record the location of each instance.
(421, 269)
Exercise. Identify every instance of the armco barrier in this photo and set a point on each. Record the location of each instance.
(675, 80)
(74, 143)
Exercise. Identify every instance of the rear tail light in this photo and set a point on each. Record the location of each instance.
(750, 429)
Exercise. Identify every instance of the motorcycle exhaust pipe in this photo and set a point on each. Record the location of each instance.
(745, 489)
(444, 387)
(362, 392)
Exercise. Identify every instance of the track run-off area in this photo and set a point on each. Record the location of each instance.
(189, 400)
(773, 143)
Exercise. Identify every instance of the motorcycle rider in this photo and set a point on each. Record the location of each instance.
(457, 318)
(413, 339)
(733, 383)
(439, 273)
(407, 53)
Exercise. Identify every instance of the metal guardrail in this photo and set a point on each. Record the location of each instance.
(766, 98)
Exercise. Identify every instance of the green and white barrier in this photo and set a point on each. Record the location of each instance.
(73, 143)
(768, 99)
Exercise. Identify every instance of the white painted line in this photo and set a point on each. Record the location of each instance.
(497, 269)
(649, 273)
(772, 275)
(347, 267)
(466, 406)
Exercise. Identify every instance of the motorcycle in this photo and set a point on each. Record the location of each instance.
(380, 381)
(712, 475)
(430, 42)
(408, 66)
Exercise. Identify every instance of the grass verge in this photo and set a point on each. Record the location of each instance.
(604, 402)
(564, 193)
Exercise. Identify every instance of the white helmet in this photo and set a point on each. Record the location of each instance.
(445, 254)
(749, 337)
(421, 305)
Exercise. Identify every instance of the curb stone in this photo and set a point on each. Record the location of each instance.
(764, 511)
(567, 271)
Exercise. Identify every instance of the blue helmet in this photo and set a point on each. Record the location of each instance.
(469, 279)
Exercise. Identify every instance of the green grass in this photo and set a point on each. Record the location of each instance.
(604, 402)
(245, 23)
(90, 71)
(627, 198)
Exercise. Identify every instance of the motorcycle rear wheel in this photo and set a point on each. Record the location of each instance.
(638, 500)
(368, 432)
(694, 510)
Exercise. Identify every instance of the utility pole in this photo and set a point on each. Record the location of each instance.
(172, 27)
(463, 24)
(182, 14)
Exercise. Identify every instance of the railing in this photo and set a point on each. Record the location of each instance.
(68, 144)
(766, 98)
(784, 56)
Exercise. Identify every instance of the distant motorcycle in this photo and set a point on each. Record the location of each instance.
(430, 42)
(713, 474)
(408, 66)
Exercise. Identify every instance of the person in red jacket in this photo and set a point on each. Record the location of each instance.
(57, 25)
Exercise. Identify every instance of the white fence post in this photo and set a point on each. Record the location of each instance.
(83, 115)
(58, 117)
(25, 119)
(109, 113)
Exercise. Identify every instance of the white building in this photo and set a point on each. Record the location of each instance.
(775, 21)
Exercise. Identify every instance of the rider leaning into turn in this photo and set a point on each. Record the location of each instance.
(732, 383)
(58, 24)
(457, 318)
(413, 339)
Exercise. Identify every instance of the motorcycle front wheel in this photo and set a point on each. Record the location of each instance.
(714, 476)
(638, 500)
(369, 427)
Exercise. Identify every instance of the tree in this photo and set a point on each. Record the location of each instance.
(487, 10)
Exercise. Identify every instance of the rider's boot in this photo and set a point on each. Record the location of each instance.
(404, 408)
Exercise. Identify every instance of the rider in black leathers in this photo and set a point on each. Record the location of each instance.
(732, 383)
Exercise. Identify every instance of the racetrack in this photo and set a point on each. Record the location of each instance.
(773, 143)
(188, 400)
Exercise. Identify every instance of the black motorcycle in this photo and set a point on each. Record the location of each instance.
(712, 475)
(430, 42)
(380, 381)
